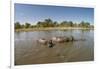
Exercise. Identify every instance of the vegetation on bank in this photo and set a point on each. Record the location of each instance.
(49, 24)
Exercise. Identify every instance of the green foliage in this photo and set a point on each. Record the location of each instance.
(84, 24)
(50, 23)
(67, 24)
(56, 24)
(17, 25)
(64, 23)
(46, 23)
(27, 25)
(70, 23)
(22, 26)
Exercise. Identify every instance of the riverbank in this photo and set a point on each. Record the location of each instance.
(51, 28)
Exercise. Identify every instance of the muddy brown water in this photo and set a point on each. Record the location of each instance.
(29, 51)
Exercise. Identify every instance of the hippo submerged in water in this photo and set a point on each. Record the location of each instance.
(58, 40)
(50, 44)
(46, 42)
(62, 39)
(42, 41)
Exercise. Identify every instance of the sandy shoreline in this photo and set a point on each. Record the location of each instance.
(51, 28)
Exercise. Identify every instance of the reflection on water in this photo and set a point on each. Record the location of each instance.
(29, 51)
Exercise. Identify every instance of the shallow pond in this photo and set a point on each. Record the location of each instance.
(29, 51)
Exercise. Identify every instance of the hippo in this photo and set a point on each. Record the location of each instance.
(58, 39)
(42, 41)
(71, 38)
(50, 44)
(62, 39)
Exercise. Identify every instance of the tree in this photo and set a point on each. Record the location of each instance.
(46, 23)
(38, 24)
(48, 20)
(56, 24)
(17, 25)
(75, 25)
(50, 23)
(22, 26)
(27, 25)
(87, 24)
(84, 24)
(64, 23)
(70, 24)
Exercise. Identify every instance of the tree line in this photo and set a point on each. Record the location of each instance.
(51, 23)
